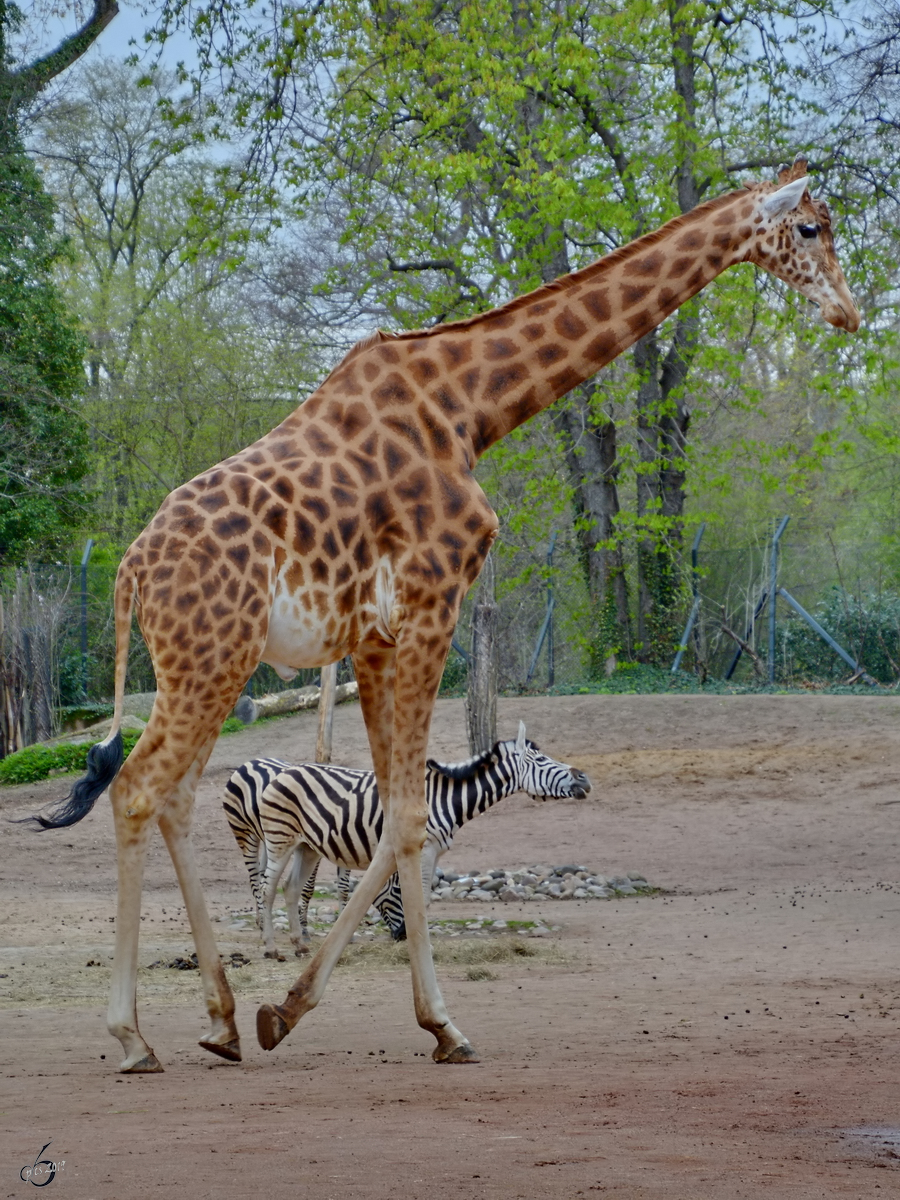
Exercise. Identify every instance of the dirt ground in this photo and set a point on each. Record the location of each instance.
(735, 1035)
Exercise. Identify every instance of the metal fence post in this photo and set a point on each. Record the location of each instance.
(773, 592)
(695, 606)
(551, 602)
(826, 637)
(88, 547)
(546, 632)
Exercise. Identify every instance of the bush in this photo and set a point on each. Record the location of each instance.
(39, 762)
(456, 675)
(867, 627)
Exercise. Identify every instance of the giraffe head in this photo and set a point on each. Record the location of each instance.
(792, 239)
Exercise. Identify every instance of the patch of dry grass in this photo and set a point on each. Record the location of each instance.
(470, 952)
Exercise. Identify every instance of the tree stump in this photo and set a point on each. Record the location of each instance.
(481, 700)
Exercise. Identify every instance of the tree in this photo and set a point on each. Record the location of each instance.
(184, 364)
(44, 448)
(473, 150)
(484, 148)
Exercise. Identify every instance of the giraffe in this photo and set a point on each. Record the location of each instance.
(356, 526)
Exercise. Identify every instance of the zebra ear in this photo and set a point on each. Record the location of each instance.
(520, 740)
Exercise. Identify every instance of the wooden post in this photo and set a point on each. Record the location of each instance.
(326, 713)
(481, 701)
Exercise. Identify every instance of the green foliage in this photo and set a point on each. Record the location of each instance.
(39, 762)
(640, 679)
(455, 676)
(866, 626)
(44, 450)
(183, 366)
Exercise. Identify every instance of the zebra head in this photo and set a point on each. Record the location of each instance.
(538, 774)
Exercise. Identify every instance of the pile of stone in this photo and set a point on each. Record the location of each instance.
(537, 882)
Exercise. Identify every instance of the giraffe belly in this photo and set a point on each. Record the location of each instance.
(305, 632)
(293, 643)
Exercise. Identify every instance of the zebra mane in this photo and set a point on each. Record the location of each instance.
(471, 766)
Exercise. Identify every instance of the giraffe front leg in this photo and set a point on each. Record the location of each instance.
(419, 665)
(275, 1021)
(431, 1013)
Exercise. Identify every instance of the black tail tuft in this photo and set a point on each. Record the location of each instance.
(103, 763)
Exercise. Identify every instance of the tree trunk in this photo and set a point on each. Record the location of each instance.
(326, 713)
(591, 451)
(481, 701)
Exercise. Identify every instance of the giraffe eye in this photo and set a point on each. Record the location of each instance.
(808, 231)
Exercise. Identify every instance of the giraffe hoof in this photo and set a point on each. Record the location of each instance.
(274, 954)
(148, 1065)
(227, 1050)
(271, 1027)
(466, 1053)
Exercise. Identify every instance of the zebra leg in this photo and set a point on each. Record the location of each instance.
(298, 891)
(258, 881)
(431, 851)
(273, 874)
(343, 883)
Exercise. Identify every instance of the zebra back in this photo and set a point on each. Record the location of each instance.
(242, 795)
(336, 810)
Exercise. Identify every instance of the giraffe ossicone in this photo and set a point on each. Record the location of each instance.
(356, 527)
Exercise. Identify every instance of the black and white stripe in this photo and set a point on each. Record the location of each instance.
(310, 811)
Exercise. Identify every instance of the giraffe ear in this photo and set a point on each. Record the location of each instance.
(520, 740)
(776, 204)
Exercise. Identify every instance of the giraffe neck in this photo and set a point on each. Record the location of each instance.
(516, 360)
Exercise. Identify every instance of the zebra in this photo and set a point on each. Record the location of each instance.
(312, 811)
(241, 804)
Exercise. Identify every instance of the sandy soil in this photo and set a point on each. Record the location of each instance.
(734, 1036)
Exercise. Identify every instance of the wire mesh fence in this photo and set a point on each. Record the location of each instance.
(58, 652)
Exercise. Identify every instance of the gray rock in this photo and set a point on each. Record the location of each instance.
(245, 710)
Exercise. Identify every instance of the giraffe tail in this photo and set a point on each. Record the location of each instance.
(104, 760)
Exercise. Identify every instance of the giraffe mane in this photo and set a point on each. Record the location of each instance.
(583, 273)
(371, 339)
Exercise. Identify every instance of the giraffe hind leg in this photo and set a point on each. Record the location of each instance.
(175, 826)
(152, 789)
